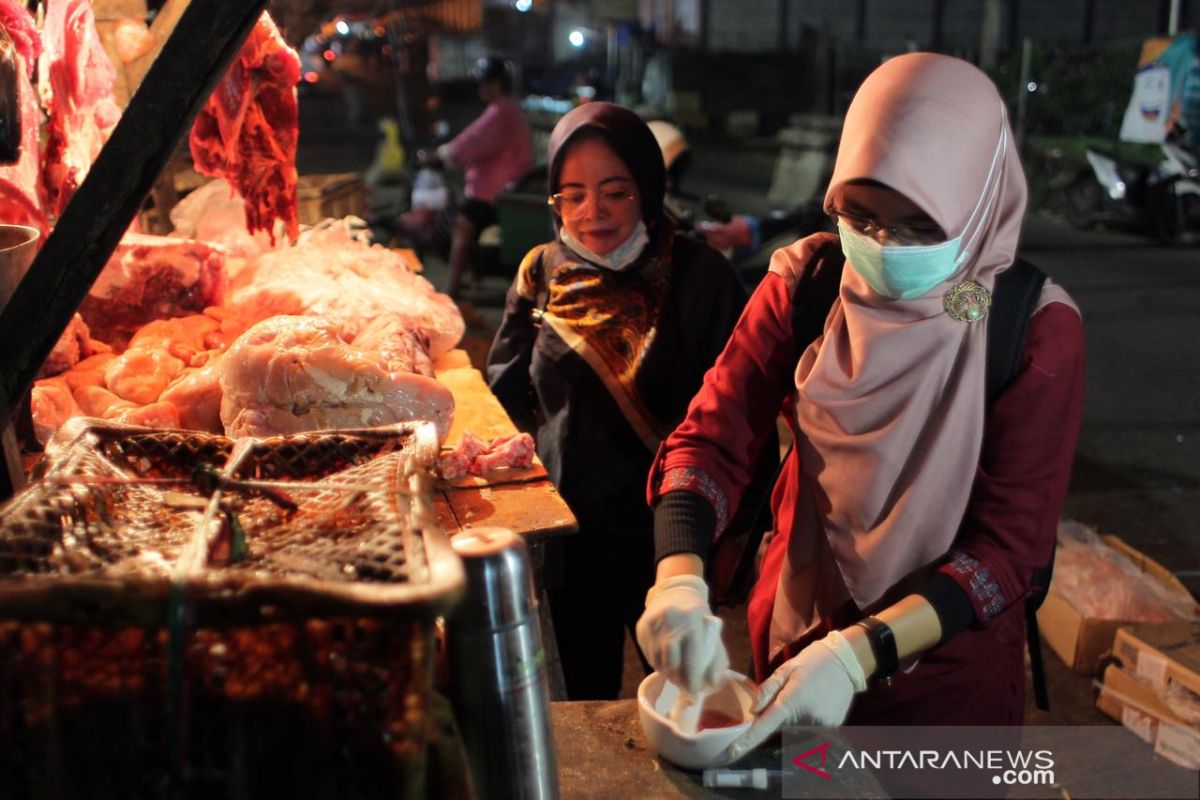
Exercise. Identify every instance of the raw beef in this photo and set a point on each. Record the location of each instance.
(247, 130)
(51, 404)
(290, 374)
(20, 192)
(333, 275)
(19, 25)
(149, 278)
(76, 84)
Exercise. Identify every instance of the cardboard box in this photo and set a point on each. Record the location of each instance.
(1136, 705)
(1081, 641)
(1161, 654)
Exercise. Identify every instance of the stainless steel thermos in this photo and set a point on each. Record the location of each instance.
(498, 670)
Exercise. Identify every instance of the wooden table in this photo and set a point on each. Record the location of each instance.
(523, 500)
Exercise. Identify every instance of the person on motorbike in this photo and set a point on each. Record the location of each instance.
(496, 149)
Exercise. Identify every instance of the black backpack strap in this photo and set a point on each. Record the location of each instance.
(1014, 298)
(811, 301)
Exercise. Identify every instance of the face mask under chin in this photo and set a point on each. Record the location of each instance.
(620, 257)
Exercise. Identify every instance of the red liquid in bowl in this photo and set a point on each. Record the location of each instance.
(710, 718)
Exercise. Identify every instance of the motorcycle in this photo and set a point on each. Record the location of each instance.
(1161, 200)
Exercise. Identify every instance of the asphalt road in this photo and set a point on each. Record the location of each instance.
(1137, 467)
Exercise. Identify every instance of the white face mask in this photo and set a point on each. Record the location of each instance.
(621, 257)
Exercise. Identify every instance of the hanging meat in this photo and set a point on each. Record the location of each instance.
(248, 129)
(20, 194)
(76, 80)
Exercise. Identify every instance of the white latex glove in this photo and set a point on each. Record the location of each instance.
(680, 636)
(814, 687)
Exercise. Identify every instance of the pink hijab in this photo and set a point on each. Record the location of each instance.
(891, 398)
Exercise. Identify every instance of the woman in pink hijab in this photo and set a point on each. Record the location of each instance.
(912, 514)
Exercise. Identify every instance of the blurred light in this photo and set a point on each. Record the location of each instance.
(342, 27)
(1032, 86)
(312, 77)
(523, 5)
(575, 37)
(329, 55)
(380, 31)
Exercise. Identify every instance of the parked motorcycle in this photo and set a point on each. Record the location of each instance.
(1161, 200)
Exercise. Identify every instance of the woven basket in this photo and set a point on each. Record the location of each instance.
(142, 655)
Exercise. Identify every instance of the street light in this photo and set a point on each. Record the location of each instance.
(576, 38)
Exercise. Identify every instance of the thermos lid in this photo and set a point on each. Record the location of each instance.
(499, 590)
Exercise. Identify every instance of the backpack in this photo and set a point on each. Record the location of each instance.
(1014, 298)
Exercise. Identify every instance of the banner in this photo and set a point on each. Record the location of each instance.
(1166, 92)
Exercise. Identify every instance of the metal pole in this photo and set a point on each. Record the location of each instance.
(1173, 20)
(1023, 91)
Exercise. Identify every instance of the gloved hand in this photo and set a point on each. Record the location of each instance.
(814, 687)
(727, 235)
(680, 636)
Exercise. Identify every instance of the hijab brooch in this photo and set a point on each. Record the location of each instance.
(967, 302)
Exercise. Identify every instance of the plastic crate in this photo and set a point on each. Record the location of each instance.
(140, 658)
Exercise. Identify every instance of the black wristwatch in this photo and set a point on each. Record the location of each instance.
(883, 645)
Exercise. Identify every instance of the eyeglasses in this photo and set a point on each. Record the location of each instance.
(573, 204)
(896, 234)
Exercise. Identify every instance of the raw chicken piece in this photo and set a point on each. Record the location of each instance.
(247, 130)
(216, 213)
(51, 404)
(68, 350)
(183, 337)
(292, 374)
(154, 415)
(151, 278)
(334, 276)
(96, 401)
(88, 372)
(140, 375)
(76, 83)
(197, 396)
(401, 348)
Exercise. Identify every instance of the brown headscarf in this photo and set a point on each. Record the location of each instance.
(891, 397)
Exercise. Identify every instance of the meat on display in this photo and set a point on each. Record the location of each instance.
(248, 130)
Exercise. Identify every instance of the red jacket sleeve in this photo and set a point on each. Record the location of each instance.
(714, 451)
(1029, 441)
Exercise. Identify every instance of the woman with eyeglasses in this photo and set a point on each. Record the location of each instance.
(607, 333)
(912, 513)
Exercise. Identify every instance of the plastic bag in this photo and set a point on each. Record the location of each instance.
(1102, 583)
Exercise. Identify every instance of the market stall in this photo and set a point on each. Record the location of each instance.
(258, 436)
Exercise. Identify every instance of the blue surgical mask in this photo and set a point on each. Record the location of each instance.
(903, 272)
(621, 257)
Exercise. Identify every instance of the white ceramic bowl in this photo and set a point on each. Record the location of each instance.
(704, 748)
